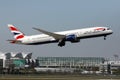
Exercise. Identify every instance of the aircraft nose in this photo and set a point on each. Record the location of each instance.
(111, 32)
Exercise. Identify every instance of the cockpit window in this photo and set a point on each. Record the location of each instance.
(108, 28)
(103, 29)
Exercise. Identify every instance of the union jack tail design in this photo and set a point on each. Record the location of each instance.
(17, 34)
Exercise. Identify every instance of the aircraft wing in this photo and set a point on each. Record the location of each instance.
(56, 36)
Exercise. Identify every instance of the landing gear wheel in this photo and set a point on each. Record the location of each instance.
(61, 44)
(104, 37)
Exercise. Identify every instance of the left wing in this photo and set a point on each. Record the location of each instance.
(56, 36)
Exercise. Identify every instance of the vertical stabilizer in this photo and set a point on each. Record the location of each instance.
(17, 34)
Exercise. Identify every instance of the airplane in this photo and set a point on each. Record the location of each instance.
(61, 38)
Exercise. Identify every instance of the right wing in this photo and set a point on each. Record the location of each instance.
(56, 36)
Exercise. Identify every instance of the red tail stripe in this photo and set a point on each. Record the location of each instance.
(20, 36)
(13, 29)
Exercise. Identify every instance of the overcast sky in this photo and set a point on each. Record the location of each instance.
(60, 15)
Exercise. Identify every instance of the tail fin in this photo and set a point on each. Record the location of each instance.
(17, 34)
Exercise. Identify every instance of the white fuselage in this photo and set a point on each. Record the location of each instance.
(80, 34)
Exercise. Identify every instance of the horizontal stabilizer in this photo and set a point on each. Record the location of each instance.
(14, 41)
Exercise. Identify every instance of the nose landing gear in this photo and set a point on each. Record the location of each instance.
(104, 37)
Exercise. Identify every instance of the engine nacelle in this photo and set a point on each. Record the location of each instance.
(72, 38)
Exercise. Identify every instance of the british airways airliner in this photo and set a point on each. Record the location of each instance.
(72, 36)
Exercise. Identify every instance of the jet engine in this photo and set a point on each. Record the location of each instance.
(72, 38)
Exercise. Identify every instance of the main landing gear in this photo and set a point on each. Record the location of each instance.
(61, 43)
